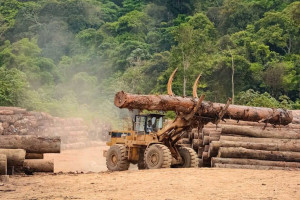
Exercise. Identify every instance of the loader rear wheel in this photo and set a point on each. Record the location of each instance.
(189, 158)
(157, 156)
(116, 158)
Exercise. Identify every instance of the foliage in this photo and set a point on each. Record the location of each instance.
(69, 57)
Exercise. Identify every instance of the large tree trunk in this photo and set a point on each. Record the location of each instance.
(240, 161)
(3, 164)
(254, 132)
(31, 143)
(239, 152)
(207, 109)
(37, 165)
(234, 166)
(15, 157)
(286, 146)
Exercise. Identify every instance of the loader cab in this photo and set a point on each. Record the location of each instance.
(148, 123)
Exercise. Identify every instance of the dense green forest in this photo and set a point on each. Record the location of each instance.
(69, 57)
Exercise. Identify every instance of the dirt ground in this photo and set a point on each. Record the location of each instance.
(165, 184)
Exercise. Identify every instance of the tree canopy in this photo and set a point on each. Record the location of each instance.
(69, 57)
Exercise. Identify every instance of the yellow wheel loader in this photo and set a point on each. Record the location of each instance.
(151, 145)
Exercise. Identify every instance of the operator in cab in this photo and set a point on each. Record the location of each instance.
(149, 126)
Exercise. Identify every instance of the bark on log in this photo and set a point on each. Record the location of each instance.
(239, 152)
(182, 145)
(279, 146)
(205, 140)
(256, 124)
(6, 112)
(240, 161)
(15, 110)
(184, 141)
(4, 178)
(205, 155)
(206, 148)
(259, 140)
(34, 156)
(200, 152)
(15, 157)
(37, 165)
(196, 135)
(252, 132)
(3, 164)
(196, 143)
(31, 143)
(233, 166)
(215, 138)
(208, 109)
(200, 164)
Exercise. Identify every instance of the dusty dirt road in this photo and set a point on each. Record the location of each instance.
(163, 184)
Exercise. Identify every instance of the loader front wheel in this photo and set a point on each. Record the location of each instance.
(116, 158)
(189, 158)
(157, 156)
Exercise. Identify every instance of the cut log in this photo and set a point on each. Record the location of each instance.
(215, 134)
(200, 151)
(15, 157)
(204, 155)
(208, 109)
(206, 132)
(252, 132)
(259, 140)
(3, 164)
(240, 161)
(215, 138)
(1, 128)
(182, 145)
(184, 141)
(185, 135)
(254, 167)
(4, 178)
(6, 112)
(15, 110)
(196, 143)
(200, 164)
(196, 135)
(206, 148)
(37, 165)
(205, 140)
(34, 156)
(279, 146)
(31, 143)
(239, 152)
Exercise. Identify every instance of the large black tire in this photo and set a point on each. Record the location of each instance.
(157, 156)
(116, 158)
(189, 158)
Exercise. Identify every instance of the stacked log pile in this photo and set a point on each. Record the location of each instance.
(74, 132)
(16, 151)
(25, 136)
(251, 145)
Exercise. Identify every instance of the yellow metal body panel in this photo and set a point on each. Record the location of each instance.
(133, 141)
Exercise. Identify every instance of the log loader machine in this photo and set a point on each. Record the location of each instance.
(151, 145)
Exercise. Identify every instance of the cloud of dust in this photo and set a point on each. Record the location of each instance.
(85, 91)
